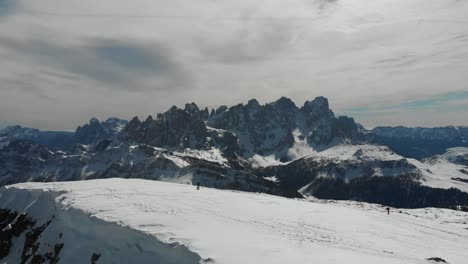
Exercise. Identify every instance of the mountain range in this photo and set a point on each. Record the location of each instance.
(277, 148)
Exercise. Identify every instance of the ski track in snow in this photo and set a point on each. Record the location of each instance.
(238, 227)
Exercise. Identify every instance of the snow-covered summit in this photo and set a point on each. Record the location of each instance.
(359, 152)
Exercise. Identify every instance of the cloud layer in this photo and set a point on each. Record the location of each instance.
(385, 62)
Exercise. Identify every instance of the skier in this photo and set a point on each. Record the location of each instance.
(198, 185)
(388, 210)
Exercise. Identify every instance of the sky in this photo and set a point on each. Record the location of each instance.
(383, 62)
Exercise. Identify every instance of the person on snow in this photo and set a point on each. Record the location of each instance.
(388, 210)
(198, 185)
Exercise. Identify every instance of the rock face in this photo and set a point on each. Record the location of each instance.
(14, 225)
(273, 127)
(180, 129)
(95, 131)
(420, 142)
(175, 128)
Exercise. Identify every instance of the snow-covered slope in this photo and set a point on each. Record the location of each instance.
(345, 162)
(449, 170)
(457, 155)
(155, 218)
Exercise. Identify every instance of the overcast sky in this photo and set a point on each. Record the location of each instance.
(384, 62)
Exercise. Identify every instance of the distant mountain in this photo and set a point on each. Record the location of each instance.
(421, 142)
(91, 133)
(51, 139)
(275, 148)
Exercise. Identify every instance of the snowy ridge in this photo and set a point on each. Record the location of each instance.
(359, 152)
(436, 172)
(348, 162)
(457, 155)
(441, 171)
(237, 227)
(72, 235)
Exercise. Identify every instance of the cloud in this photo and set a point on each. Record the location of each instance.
(116, 58)
(154, 59)
(121, 64)
(253, 42)
(323, 4)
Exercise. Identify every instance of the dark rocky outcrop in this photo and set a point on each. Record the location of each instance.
(95, 257)
(437, 259)
(460, 180)
(14, 225)
(9, 229)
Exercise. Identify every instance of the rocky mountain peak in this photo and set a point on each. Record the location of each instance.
(253, 103)
(94, 120)
(95, 130)
(149, 119)
(191, 108)
(176, 128)
(221, 109)
(317, 108)
(284, 104)
(134, 122)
